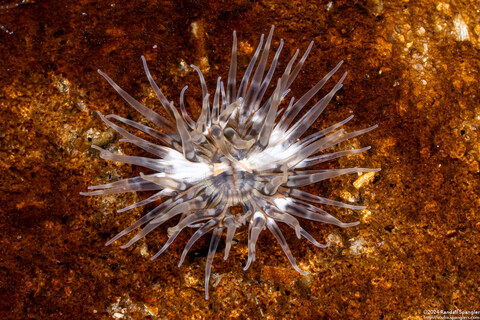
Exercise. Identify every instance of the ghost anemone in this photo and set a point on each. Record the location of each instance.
(243, 150)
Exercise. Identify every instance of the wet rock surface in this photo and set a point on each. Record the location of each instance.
(413, 70)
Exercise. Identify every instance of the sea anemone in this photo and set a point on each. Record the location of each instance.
(243, 151)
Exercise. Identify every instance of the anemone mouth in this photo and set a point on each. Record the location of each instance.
(241, 151)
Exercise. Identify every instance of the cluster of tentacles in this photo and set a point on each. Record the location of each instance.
(243, 150)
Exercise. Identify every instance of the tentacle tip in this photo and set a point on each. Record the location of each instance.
(298, 232)
(125, 246)
(303, 272)
(350, 224)
(96, 147)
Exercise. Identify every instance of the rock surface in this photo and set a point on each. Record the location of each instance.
(414, 69)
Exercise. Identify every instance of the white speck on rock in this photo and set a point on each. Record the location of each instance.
(461, 29)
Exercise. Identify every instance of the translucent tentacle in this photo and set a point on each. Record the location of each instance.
(142, 203)
(254, 86)
(185, 115)
(186, 206)
(256, 226)
(246, 76)
(302, 195)
(275, 230)
(293, 112)
(307, 120)
(148, 113)
(217, 233)
(303, 180)
(232, 74)
(320, 134)
(302, 211)
(149, 216)
(155, 149)
(206, 227)
(329, 156)
(188, 220)
(187, 144)
(156, 89)
(216, 103)
(231, 225)
(169, 140)
(150, 163)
